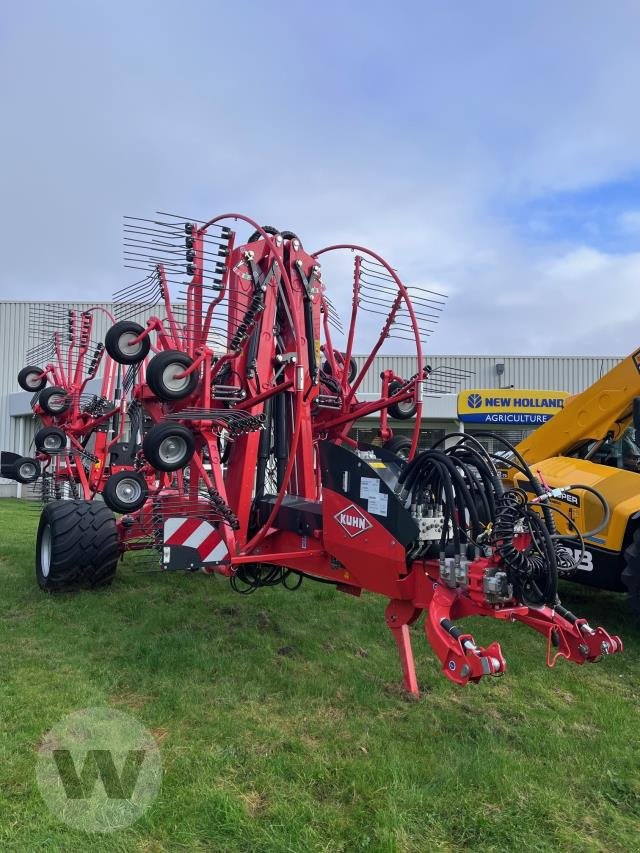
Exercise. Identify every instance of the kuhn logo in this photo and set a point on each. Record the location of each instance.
(352, 520)
(474, 401)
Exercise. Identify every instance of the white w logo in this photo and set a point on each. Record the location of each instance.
(99, 762)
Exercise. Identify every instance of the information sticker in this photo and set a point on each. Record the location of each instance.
(369, 486)
(378, 504)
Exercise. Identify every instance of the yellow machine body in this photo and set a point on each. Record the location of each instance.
(576, 446)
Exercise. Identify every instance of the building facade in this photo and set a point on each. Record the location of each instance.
(453, 379)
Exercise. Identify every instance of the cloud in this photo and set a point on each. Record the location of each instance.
(576, 265)
(414, 133)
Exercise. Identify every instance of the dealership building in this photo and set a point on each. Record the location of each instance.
(511, 395)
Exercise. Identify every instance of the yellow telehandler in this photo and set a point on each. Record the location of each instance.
(593, 441)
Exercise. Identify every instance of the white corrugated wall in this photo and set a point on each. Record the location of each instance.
(555, 373)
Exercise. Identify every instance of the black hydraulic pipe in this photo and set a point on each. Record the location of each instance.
(264, 448)
(115, 422)
(280, 436)
(311, 344)
(253, 351)
(450, 628)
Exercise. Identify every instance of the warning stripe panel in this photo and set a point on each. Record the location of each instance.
(202, 532)
(217, 554)
(197, 534)
(170, 527)
(183, 532)
(211, 545)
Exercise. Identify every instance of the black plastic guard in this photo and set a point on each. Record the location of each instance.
(368, 483)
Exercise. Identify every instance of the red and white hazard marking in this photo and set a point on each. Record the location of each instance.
(198, 534)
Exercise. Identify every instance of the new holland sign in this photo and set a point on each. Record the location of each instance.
(509, 405)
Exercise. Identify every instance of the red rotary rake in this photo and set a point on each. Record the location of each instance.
(80, 430)
(247, 467)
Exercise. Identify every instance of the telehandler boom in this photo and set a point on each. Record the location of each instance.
(591, 441)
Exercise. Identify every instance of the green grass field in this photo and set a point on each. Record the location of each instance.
(283, 727)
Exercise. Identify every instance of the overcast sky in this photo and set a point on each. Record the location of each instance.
(491, 150)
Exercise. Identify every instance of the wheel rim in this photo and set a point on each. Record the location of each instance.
(28, 470)
(406, 406)
(172, 450)
(128, 490)
(51, 443)
(126, 345)
(32, 380)
(56, 402)
(170, 378)
(45, 551)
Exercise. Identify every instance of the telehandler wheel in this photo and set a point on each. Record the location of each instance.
(31, 379)
(125, 491)
(404, 410)
(168, 447)
(163, 375)
(631, 575)
(77, 546)
(54, 400)
(118, 342)
(26, 470)
(400, 445)
(50, 440)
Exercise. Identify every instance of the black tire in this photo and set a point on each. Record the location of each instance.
(401, 411)
(353, 369)
(117, 339)
(25, 470)
(258, 236)
(160, 371)
(50, 440)
(400, 445)
(631, 575)
(54, 400)
(290, 235)
(77, 546)
(168, 447)
(28, 379)
(125, 491)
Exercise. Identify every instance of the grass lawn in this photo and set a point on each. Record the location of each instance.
(316, 748)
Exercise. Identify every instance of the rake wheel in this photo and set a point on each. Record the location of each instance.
(31, 379)
(120, 343)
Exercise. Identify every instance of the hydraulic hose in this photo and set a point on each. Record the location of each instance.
(525, 568)
(606, 511)
(535, 483)
(465, 477)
